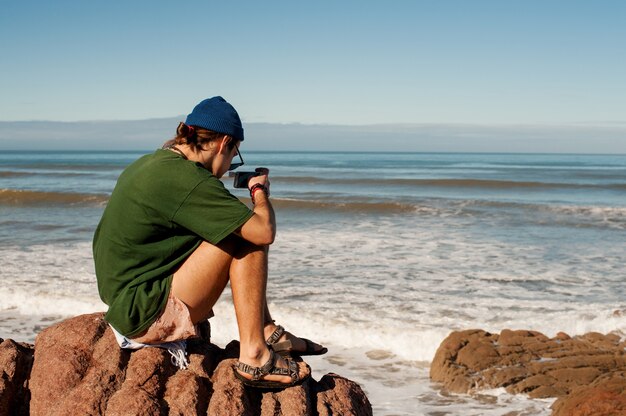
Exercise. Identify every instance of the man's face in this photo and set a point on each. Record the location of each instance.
(223, 162)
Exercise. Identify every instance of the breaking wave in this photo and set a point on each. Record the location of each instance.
(444, 183)
(38, 198)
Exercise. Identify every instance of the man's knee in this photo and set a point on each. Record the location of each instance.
(239, 248)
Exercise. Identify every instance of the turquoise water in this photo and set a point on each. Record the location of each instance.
(379, 255)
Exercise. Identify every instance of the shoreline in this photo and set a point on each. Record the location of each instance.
(395, 386)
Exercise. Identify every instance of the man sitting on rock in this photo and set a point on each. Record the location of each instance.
(172, 236)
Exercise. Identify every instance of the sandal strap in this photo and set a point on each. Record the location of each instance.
(278, 332)
(269, 368)
(255, 372)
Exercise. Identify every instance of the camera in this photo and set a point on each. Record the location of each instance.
(242, 178)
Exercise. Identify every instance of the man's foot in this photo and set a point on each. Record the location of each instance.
(271, 371)
(285, 342)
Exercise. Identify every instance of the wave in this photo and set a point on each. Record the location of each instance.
(20, 174)
(572, 215)
(618, 212)
(38, 198)
(569, 215)
(51, 167)
(344, 206)
(13, 174)
(450, 183)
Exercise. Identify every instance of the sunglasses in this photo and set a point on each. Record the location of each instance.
(235, 165)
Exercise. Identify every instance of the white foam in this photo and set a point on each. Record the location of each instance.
(405, 343)
(370, 285)
(419, 343)
(45, 304)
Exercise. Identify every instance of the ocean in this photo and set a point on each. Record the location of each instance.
(378, 255)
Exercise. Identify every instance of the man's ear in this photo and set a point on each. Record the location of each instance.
(224, 143)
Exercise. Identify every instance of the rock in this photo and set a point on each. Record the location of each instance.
(332, 391)
(15, 362)
(78, 368)
(605, 396)
(587, 373)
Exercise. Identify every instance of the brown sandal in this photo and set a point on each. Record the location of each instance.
(285, 348)
(269, 368)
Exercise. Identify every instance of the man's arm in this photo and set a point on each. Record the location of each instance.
(260, 229)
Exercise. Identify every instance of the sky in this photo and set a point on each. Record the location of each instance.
(480, 62)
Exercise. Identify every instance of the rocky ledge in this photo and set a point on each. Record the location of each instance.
(76, 367)
(587, 374)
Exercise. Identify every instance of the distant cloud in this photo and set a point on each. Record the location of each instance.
(608, 137)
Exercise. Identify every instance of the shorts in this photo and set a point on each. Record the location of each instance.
(173, 324)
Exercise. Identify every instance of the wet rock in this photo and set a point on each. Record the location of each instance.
(587, 373)
(604, 397)
(78, 368)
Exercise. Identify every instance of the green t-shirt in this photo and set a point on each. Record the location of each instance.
(161, 209)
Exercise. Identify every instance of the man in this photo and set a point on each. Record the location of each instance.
(172, 236)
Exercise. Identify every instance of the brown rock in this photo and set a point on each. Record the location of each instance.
(445, 368)
(72, 359)
(605, 396)
(532, 383)
(506, 376)
(289, 402)
(575, 376)
(588, 372)
(78, 368)
(562, 336)
(332, 391)
(229, 394)
(478, 355)
(143, 389)
(520, 337)
(15, 363)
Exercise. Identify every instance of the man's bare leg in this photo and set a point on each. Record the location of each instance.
(269, 326)
(200, 281)
(202, 278)
(248, 281)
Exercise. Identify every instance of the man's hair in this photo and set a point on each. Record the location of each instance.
(196, 137)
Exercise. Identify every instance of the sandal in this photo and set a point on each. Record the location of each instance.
(285, 348)
(269, 368)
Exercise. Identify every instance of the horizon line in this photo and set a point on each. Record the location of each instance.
(85, 150)
(588, 123)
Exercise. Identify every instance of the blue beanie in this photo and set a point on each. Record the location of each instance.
(217, 115)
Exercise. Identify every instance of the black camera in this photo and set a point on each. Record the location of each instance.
(242, 178)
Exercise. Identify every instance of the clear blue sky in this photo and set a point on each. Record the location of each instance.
(345, 62)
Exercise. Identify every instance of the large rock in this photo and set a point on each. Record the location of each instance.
(586, 373)
(15, 363)
(78, 368)
(606, 396)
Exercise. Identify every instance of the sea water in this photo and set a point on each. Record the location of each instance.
(379, 256)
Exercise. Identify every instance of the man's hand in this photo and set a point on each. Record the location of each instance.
(260, 229)
(263, 178)
(259, 183)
